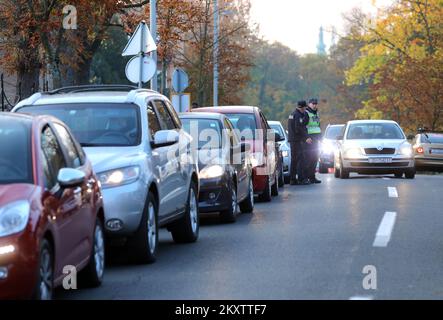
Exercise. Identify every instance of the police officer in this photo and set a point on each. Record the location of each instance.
(314, 132)
(298, 138)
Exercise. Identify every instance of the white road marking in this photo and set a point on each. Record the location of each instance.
(362, 298)
(392, 192)
(383, 235)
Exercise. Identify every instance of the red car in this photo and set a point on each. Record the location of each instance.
(254, 129)
(51, 211)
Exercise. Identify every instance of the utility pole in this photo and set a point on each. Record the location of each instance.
(153, 25)
(216, 36)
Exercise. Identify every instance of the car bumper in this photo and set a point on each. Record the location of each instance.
(259, 179)
(124, 206)
(429, 162)
(362, 165)
(18, 267)
(214, 195)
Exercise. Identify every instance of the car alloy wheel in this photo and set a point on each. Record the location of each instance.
(46, 274)
(234, 203)
(99, 251)
(193, 210)
(152, 228)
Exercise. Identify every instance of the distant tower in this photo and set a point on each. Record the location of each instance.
(321, 47)
(334, 37)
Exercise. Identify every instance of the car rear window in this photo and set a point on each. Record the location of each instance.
(97, 124)
(15, 150)
(433, 138)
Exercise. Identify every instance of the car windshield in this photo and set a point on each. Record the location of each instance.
(206, 131)
(333, 132)
(15, 150)
(433, 138)
(96, 125)
(278, 129)
(384, 131)
(244, 123)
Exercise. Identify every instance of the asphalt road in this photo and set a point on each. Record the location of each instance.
(312, 242)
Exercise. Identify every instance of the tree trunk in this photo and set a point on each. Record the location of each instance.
(28, 80)
(82, 75)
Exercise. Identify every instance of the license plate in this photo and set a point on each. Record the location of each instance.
(380, 160)
(436, 151)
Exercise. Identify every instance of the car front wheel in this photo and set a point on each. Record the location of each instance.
(144, 244)
(186, 229)
(45, 287)
(92, 275)
(247, 205)
(410, 174)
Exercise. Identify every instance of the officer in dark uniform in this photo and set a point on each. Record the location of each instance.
(314, 132)
(298, 138)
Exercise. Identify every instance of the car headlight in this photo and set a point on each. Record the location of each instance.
(257, 159)
(285, 153)
(213, 171)
(14, 217)
(353, 153)
(119, 177)
(406, 150)
(327, 148)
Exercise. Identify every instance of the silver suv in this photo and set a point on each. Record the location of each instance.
(142, 157)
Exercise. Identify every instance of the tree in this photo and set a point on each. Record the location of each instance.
(402, 62)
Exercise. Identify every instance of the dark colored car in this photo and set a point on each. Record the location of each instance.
(329, 146)
(254, 129)
(225, 170)
(51, 212)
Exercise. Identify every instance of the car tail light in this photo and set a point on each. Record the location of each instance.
(420, 150)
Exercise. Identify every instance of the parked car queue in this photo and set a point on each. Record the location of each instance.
(86, 165)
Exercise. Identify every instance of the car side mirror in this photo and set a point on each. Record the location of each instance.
(165, 138)
(278, 137)
(70, 178)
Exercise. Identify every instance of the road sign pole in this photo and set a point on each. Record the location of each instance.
(153, 25)
(142, 54)
(216, 36)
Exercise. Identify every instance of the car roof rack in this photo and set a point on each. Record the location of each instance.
(92, 88)
(426, 130)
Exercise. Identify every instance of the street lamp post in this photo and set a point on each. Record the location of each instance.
(153, 25)
(216, 36)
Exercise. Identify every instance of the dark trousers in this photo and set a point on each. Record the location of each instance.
(298, 166)
(312, 156)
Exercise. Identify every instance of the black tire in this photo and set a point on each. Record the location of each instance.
(182, 230)
(92, 275)
(337, 173)
(266, 196)
(344, 174)
(410, 174)
(281, 179)
(323, 168)
(399, 175)
(230, 215)
(247, 205)
(287, 179)
(143, 245)
(44, 287)
(274, 190)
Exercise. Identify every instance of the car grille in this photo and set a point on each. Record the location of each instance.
(382, 151)
(379, 165)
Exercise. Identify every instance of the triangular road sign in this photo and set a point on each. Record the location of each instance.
(141, 34)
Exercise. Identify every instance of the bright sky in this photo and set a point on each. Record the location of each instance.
(296, 23)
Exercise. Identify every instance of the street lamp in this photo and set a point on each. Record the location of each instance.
(153, 25)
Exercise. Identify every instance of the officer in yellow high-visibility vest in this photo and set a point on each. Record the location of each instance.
(314, 132)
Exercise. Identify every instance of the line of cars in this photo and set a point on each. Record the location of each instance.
(86, 165)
